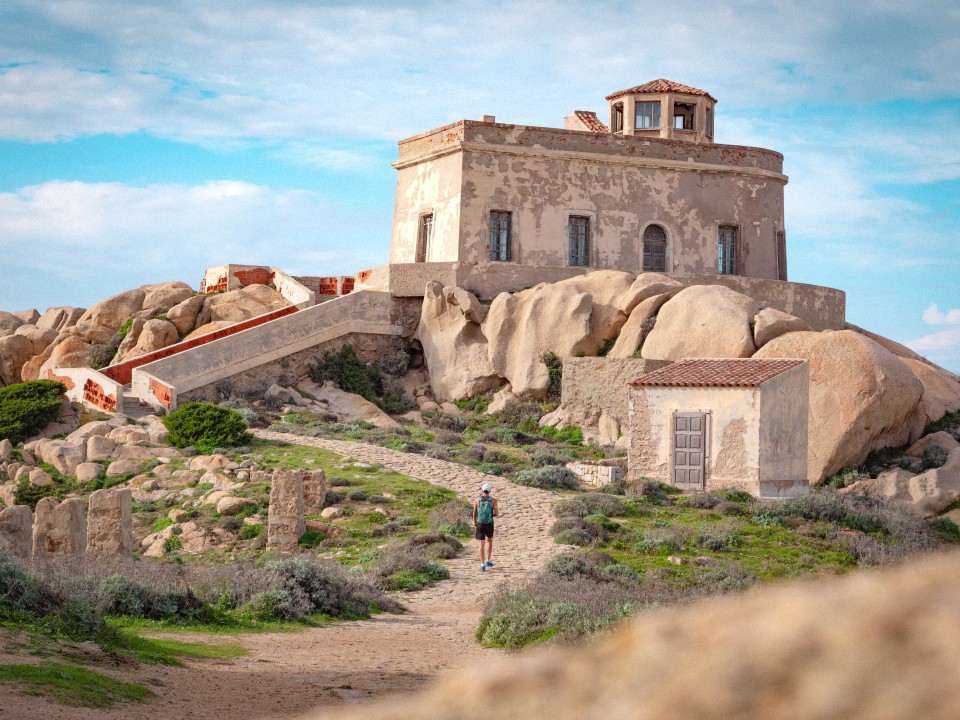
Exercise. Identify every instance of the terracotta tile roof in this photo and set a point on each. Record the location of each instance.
(716, 373)
(591, 121)
(661, 85)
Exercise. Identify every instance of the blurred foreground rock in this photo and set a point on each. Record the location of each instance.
(867, 646)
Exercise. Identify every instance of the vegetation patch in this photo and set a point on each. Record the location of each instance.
(73, 685)
(205, 427)
(27, 408)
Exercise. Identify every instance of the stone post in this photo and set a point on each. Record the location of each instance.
(285, 521)
(16, 531)
(60, 528)
(110, 523)
(314, 492)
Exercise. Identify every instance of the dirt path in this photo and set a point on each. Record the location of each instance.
(286, 674)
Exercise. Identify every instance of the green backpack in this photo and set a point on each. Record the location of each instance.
(485, 510)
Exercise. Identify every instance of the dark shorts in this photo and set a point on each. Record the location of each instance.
(484, 530)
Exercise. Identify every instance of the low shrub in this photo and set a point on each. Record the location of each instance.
(348, 372)
(27, 408)
(452, 518)
(27, 493)
(248, 532)
(551, 477)
(591, 504)
(205, 427)
(703, 500)
(102, 354)
(663, 540)
(571, 434)
(933, 456)
(408, 565)
(544, 454)
(128, 597)
(304, 586)
(555, 372)
(312, 538)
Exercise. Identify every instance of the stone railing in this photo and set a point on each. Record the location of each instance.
(123, 372)
(89, 387)
(222, 278)
(367, 312)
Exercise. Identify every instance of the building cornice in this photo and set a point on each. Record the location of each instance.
(600, 158)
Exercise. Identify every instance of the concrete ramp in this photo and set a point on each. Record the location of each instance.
(365, 312)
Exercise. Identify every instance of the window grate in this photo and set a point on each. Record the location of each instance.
(578, 232)
(727, 251)
(500, 223)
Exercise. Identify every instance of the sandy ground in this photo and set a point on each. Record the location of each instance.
(286, 675)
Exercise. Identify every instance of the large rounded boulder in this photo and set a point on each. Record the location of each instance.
(703, 321)
(454, 346)
(568, 318)
(862, 397)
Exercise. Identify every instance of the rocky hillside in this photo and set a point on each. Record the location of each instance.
(123, 326)
(866, 392)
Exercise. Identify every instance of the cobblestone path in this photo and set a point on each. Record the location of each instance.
(521, 544)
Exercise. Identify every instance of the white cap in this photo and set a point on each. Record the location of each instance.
(486, 487)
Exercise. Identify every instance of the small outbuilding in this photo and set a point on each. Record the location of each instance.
(706, 424)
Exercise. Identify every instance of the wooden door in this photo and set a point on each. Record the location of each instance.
(689, 450)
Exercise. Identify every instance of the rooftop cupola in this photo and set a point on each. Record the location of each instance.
(663, 109)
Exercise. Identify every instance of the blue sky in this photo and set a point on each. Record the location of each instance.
(142, 141)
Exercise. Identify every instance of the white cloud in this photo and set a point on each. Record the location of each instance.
(945, 343)
(189, 70)
(89, 240)
(934, 316)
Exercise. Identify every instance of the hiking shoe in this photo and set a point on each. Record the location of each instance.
(482, 566)
(489, 563)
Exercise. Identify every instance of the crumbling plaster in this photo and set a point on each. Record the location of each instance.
(542, 175)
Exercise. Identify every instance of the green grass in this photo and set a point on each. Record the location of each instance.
(765, 551)
(73, 685)
(412, 499)
(167, 651)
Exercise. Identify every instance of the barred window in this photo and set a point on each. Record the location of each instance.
(578, 233)
(424, 237)
(654, 249)
(727, 251)
(500, 223)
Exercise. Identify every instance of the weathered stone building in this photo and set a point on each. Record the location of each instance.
(649, 192)
(711, 423)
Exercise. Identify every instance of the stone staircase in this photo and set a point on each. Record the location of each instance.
(132, 406)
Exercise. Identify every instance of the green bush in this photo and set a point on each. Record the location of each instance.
(27, 408)
(205, 427)
(933, 456)
(248, 532)
(101, 355)
(125, 596)
(29, 494)
(555, 371)
(550, 477)
(348, 372)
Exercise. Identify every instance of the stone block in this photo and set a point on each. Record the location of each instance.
(110, 523)
(314, 492)
(285, 522)
(16, 531)
(60, 528)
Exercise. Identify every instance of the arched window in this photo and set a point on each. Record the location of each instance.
(654, 249)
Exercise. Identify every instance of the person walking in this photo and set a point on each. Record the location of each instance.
(485, 509)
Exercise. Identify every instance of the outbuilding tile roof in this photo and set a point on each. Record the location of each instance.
(723, 372)
(661, 85)
(590, 121)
